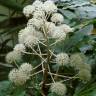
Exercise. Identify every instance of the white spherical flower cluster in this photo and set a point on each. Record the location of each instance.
(57, 18)
(28, 10)
(37, 23)
(66, 28)
(39, 14)
(26, 68)
(27, 31)
(13, 56)
(17, 77)
(58, 88)
(49, 26)
(21, 75)
(58, 33)
(84, 75)
(38, 5)
(50, 7)
(62, 59)
(76, 60)
(30, 41)
(20, 48)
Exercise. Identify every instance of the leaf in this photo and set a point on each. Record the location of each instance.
(86, 90)
(18, 91)
(77, 37)
(3, 14)
(68, 14)
(11, 4)
(4, 86)
(15, 29)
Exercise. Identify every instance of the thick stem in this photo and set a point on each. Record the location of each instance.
(45, 75)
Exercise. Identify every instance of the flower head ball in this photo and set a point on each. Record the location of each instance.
(62, 59)
(84, 66)
(27, 31)
(37, 23)
(57, 18)
(30, 41)
(20, 48)
(84, 75)
(39, 14)
(58, 88)
(38, 5)
(28, 10)
(49, 26)
(50, 7)
(13, 56)
(76, 60)
(26, 68)
(66, 28)
(58, 33)
(39, 35)
(18, 77)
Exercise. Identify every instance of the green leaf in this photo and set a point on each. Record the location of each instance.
(11, 4)
(68, 14)
(4, 86)
(18, 91)
(77, 37)
(15, 29)
(2, 14)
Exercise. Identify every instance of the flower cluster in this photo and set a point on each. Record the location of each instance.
(78, 62)
(45, 22)
(58, 88)
(21, 75)
(62, 59)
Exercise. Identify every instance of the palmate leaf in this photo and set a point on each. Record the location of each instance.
(4, 86)
(78, 36)
(88, 89)
(15, 29)
(11, 4)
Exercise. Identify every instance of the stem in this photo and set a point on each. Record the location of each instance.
(45, 75)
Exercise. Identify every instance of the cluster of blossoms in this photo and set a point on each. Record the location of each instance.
(44, 21)
(78, 62)
(21, 75)
(58, 88)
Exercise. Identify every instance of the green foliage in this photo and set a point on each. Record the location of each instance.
(12, 5)
(4, 88)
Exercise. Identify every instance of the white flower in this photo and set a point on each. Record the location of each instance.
(24, 33)
(13, 74)
(38, 5)
(39, 14)
(49, 26)
(30, 41)
(57, 18)
(13, 56)
(58, 33)
(62, 59)
(66, 28)
(28, 10)
(84, 75)
(37, 23)
(77, 61)
(58, 88)
(39, 35)
(26, 68)
(19, 48)
(50, 7)
(18, 77)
